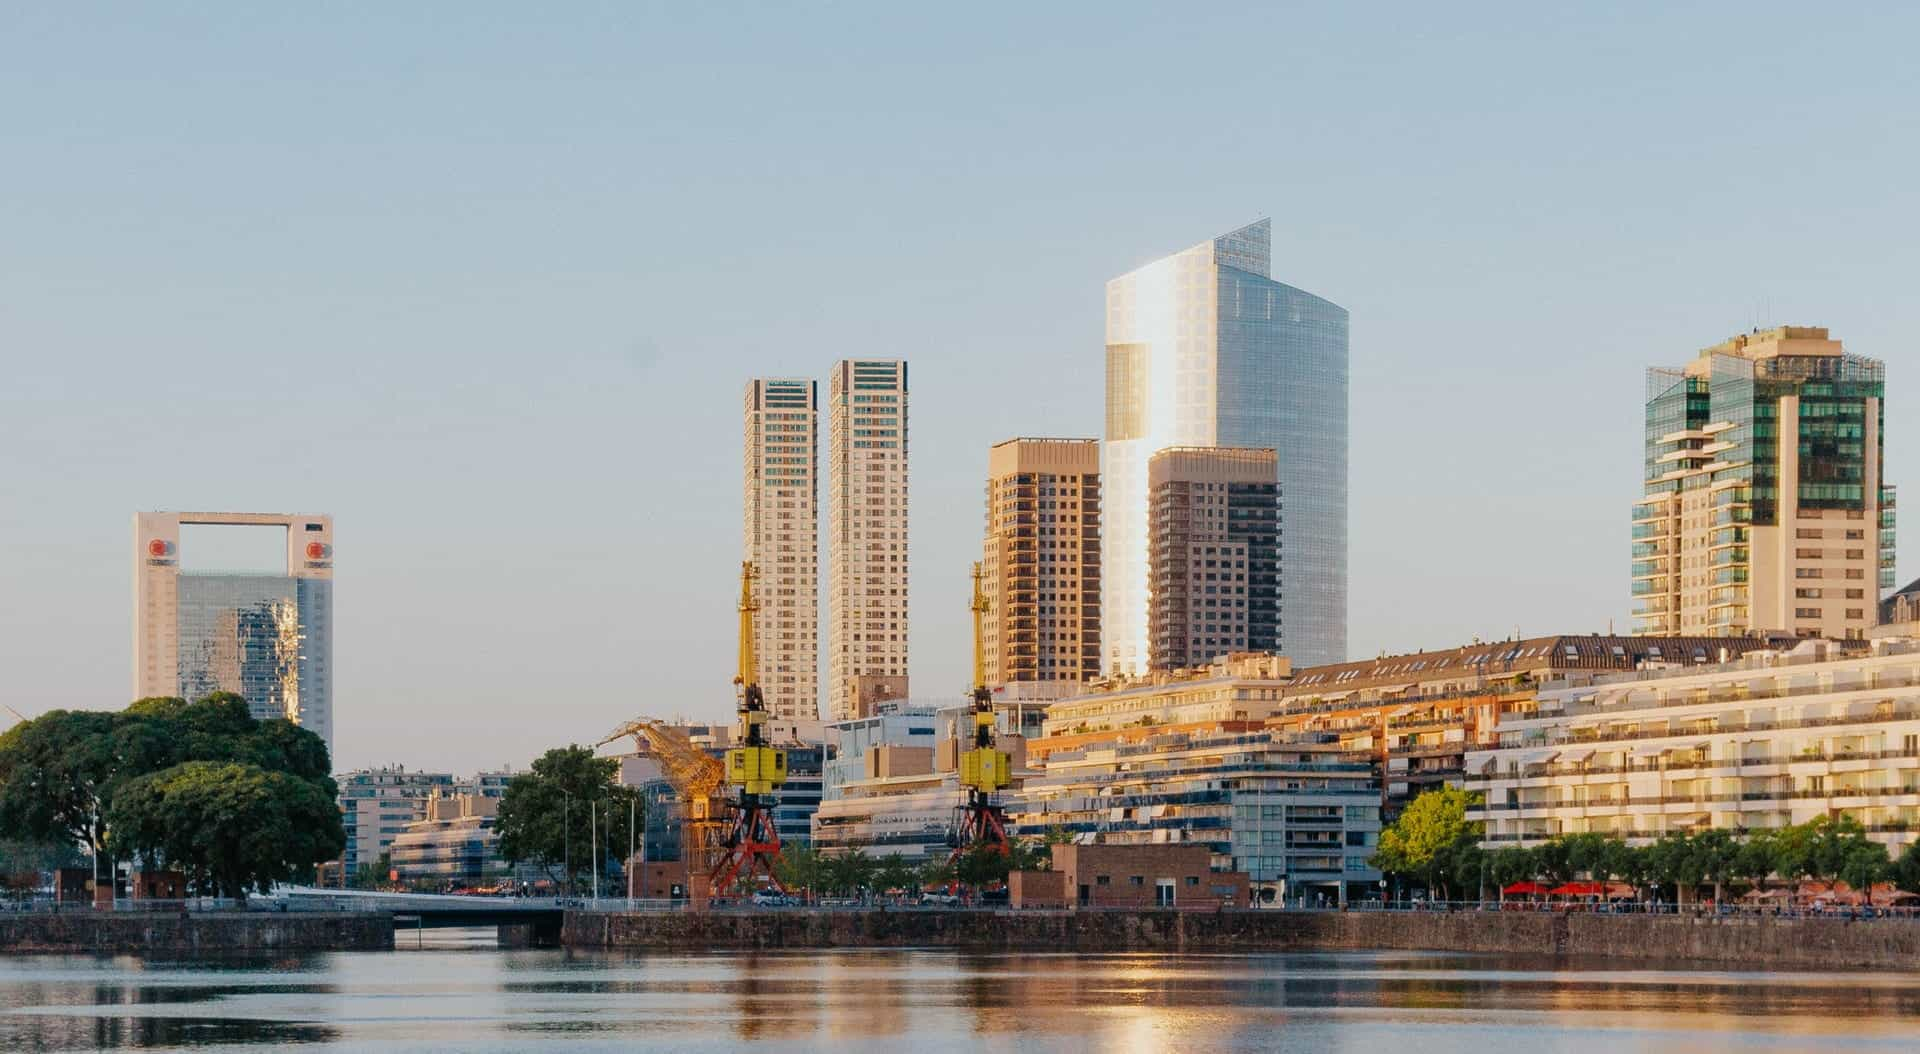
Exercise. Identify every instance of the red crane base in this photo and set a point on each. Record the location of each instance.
(751, 846)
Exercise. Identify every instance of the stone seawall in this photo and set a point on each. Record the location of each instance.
(175, 933)
(1750, 941)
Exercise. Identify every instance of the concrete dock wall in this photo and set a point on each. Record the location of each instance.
(176, 933)
(1752, 941)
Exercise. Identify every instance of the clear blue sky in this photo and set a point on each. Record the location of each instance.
(485, 283)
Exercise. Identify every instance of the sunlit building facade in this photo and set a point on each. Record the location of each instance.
(1041, 562)
(867, 528)
(267, 637)
(1766, 507)
(782, 535)
(1204, 349)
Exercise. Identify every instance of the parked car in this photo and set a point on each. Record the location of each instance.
(769, 899)
(940, 900)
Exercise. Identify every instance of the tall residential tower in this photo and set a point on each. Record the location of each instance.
(1214, 561)
(782, 534)
(1766, 503)
(1204, 349)
(267, 637)
(1042, 561)
(867, 532)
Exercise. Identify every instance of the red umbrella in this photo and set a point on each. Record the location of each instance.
(1524, 889)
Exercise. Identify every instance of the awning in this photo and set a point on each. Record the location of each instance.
(1387, 689)
(1399, 711)
(1646, 750)
(1577, 755)
(1537, 757)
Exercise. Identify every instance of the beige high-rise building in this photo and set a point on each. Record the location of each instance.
(1766, 506)
(1213, 558)
(1042, 561)
(867, 527)
(782, 536)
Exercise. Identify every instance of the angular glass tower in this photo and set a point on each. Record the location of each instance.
(1204, 349)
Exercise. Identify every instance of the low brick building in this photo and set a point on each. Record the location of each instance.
(1146, 876)
(1037, 889)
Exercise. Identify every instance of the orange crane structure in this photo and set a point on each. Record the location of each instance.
(728, 829)
(696, 776)
(985, 769)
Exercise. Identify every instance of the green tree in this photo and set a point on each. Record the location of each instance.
(981, 867)
(61, 773)
(1904, 873)
(230, 827)
(1424, 840)
(800, 869)
(849, 872)
(937, 871)
(555, 815)
(373, 875)
(1716, 854)
(1756, 858)
(1508, 866)
(1864, 864)
(893, 872)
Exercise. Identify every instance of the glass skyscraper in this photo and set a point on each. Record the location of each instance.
(267, 637)
(1204, 349)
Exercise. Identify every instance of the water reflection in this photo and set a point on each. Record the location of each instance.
(468, 997)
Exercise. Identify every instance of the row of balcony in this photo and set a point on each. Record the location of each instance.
(1706, 799)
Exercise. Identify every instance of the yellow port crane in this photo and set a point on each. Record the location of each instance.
(754, 770)
(984, 769)
(696, 776)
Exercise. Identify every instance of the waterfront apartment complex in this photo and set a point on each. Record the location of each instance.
(1204, 349)
(1775, 738)
(1418, 715)
(1213, 555)
(1042, 561)
(377, 805)
(781, 487)
(1766, 506)
(867, 528)
(267, 637)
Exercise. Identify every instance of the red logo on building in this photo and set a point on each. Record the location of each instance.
(156, 548)
(315, 550)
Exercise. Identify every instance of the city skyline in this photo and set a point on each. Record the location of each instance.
(489, 324)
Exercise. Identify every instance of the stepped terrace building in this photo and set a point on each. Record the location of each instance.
(1236, 692)
(1776, 738)
(1301, 816)
(1418, 715)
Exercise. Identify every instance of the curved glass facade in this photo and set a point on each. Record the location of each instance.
(1203, 349)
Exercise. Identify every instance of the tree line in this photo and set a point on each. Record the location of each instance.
(202, 788)
(1432, 843)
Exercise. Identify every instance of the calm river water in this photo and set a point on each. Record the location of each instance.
(458, 994)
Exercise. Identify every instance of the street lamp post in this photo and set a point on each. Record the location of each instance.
(566, 836)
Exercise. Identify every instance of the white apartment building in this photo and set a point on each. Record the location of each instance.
(1775, 738)
(867, 528)
(782, 534)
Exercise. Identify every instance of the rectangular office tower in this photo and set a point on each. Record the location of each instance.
(867, 534)
(1203, 349)
(1041, 561)
(782, 534)
(267, 637)
(1766, 505)
(1213, 553)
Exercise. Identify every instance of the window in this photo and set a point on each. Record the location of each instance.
(1193, 880)
(1102, 880)
(1136, 880)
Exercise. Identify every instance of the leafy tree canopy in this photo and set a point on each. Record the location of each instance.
(231, 827)
(568, 803)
